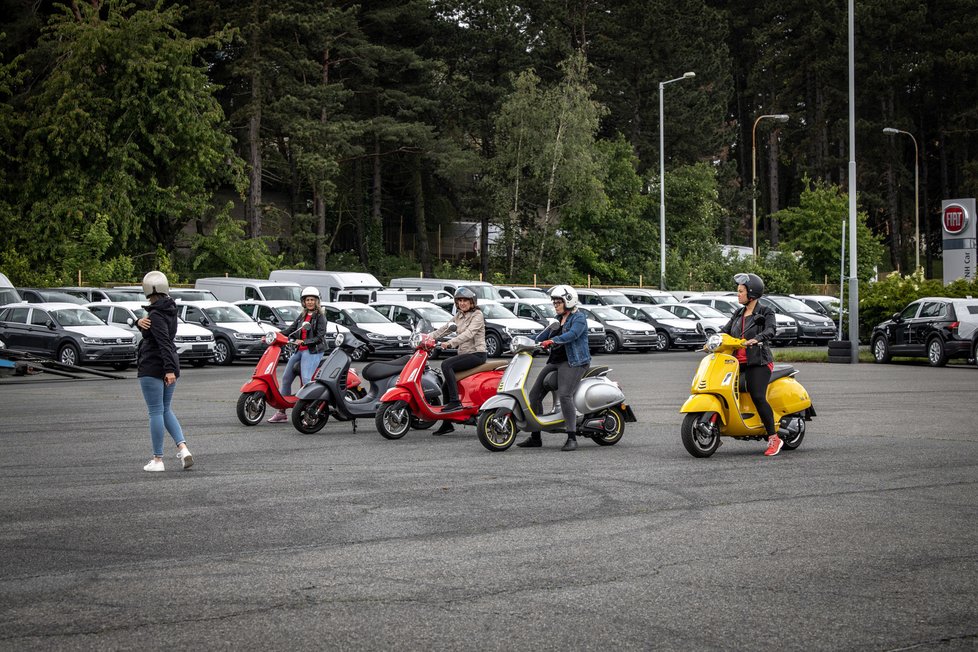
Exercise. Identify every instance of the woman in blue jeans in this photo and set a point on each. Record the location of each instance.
(158, 369)
(308, 331)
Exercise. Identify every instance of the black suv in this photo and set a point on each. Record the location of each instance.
(812, 326)
(936, 327)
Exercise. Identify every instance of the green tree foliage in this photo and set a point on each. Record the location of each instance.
(814, 228)
(228, 251)
(122, 124)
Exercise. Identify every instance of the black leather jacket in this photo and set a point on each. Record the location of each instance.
(316, 335)
(761, 326)
(157, 353)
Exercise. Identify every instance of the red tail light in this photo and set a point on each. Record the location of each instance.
(954, 326)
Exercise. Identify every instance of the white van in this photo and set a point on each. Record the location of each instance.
(357, 285)
(482, 289)
(7, 292)
(239, 289)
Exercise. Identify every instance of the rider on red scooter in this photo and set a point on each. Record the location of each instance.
(309, 331)
(470, 340)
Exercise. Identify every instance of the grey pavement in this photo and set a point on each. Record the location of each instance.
(863, 538)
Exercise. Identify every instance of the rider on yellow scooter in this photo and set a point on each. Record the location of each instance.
(756, 324)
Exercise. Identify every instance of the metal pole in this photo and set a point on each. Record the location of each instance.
(842, 278)
(916, 200)
(662, 192)
(853, 274)
(780, 117)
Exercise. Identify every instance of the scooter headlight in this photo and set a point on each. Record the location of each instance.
(269, 339)
(416, 339)
(713, 342)
(340, 338)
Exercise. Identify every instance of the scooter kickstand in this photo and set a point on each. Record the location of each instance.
(354, 425)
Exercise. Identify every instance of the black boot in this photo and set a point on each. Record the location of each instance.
(533, 441)
(571, 443)
(445, 428)
(452, 406)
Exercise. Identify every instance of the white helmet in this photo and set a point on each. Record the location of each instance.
(310, 292)
(155, 283)
(567, 294)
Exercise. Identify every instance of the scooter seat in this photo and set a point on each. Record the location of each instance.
(384, 368)
(596, 371)
(486, 366)
(780, 371)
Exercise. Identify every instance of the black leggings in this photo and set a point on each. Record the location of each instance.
(757, 378)
(459, 362)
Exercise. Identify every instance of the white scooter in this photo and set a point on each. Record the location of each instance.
(601, 408)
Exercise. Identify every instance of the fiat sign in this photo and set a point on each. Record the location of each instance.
(955, 218)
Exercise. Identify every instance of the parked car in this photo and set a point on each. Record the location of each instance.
(938, 328)
(482, 289)
(725, 303)
(42, 295)
(383, 337)
(194, 344)
(822, 304)
(812, 327)
(234, 289)
(8, 294)
(517, 292)
(333, 286)
(787, 328)
(236, 335)
(411, 313)
(502, 326)
(711, 319)
(601, 297)
(644, 295)
(67, 332)
(670, 330)
(542, 312)
(621, 332)
(277, 314)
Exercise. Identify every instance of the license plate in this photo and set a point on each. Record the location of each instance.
(199, 347)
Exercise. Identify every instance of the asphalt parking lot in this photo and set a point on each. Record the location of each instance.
(863, 538)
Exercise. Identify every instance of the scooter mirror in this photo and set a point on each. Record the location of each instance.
(452, 328)
(340, 338)
(522, 343)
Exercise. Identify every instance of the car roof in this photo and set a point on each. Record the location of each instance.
(204, 304)
(108, 304)
(405, 304)
(536, 301)
(644, 291)
(273, 303)
(341, 305)
(52, 305)
(598, 290)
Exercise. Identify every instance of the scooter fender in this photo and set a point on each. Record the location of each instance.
(499, 401)
(255, 385)
(705, 403)
(313, 392)
(396, 394)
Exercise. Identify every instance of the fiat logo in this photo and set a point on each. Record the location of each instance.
(955, 218)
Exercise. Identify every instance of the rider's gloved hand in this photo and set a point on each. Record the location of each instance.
(547, 344)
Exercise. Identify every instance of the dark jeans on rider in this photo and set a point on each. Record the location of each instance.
(757, 378)
(459, 362)
(568, 378)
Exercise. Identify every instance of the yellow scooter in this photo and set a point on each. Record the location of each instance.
(720, 406)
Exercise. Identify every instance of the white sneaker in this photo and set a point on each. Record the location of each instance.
(185, 457)
(154, 465)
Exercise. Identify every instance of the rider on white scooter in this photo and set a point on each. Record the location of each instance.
(570, 357)
(309, 329)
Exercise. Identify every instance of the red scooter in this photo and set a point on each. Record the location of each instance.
(406, 398)
(263, 389)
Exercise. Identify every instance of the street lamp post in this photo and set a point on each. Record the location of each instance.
(780, 117)
(662, 181)
(890, 131)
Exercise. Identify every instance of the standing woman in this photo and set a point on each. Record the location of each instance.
(756, 324)
(158, 369)
(309, 332)
(570, 357)
(470, 340)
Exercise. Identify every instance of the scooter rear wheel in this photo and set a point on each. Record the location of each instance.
(700, 440)
(614, 435)
(496, 429)
(251, 408)
(393, 420)
(309, 417)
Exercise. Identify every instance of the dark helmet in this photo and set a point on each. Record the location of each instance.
(753, 283)
(466, 293)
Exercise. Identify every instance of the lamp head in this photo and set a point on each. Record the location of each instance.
(687, 75)
(890, 131)
(781, 117)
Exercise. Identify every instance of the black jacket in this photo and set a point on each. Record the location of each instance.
(157, 354)
(763, 327)
(316, 333)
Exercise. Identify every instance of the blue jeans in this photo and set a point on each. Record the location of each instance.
(158, 396)
(306, 361)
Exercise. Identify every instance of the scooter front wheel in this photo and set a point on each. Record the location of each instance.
(701, 436)
(393, 419)
(309, 416)
(614, 427)
(251, 408)
(496, 429)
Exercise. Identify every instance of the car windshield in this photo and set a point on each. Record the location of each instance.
(545, 309)
(288, 313)
(485, 291)
(8, 295)
(60, 297)
(789, 304)
(706, 312)
(434, 314)
(76, 317)
(124, 295)
(614, 297)
(226, 314)
(608, 314)
(193, 295)
(530, 293)
(726, 307)
(281, 292)
(365, 316)
(139, 312)
(657, 313)
(495, 311)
